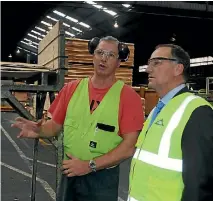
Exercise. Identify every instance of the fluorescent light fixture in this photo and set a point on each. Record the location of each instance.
(126, 5)
(45, 23)
(67, 25)
(208, 60)
(53, 19)
(76, 29)
(29, 44)
(27, 40)
(30, 41)
(68, 33)
(26, 50)
(201, 59)
(85, 25)
(110, 12)
(59, 13)
(98, 6)
(39, 28)
(34, 36)
(143, 68)
(35, 32)
(90, 2)
(71, 19)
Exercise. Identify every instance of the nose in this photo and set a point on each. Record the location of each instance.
(104, 57)
(148, 69)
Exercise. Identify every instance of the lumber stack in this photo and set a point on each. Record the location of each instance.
(78, 71)
(80, 62)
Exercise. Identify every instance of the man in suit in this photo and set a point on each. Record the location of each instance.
(174, 156)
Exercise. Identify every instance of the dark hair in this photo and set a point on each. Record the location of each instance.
(181, 55)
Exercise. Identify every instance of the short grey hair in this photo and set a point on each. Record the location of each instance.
(109, 38)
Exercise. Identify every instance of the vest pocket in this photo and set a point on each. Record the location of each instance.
(103, 141)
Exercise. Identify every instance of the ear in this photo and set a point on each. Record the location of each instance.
(179, 69)
(118, 63)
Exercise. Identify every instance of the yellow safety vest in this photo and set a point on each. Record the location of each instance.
(87, 135)
(156, 168)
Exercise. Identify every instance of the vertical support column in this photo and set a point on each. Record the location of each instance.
(207, 85)
(60, 78)
(28, 58)
(40, 100)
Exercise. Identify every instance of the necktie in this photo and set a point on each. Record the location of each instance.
(157, 110)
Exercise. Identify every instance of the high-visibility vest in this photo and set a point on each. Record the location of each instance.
(86, 135)
(156, 168)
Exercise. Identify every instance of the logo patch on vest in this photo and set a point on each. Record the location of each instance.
(159, 122)
(93, 144)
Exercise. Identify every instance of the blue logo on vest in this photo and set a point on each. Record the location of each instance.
(159, 122)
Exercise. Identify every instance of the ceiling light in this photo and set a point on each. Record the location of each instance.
(23, 49)
(41, 29)
(76, 29)
(59, 13)
(98, 6)
(34, 36)
(90, 2)
(68, 33)
(116, 24)
(27, 39)
(18, 51)
(110, 12)
(126, 5)
(71, 19)
(85, 25)
(10, 56)
(32, 42)
(53, 19)
(67, 25)
(45, 23)
(29, 44)
(35, 32)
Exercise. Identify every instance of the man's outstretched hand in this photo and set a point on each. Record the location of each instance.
(29, 129)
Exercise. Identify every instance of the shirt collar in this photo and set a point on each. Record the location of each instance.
(172, 93)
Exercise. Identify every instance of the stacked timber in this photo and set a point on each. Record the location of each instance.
(80, 62)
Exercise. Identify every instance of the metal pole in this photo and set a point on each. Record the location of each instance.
(28, 58)
(40, 100)
(60, 79)
(207, 85)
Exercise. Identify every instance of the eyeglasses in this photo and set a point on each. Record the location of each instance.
(109, 55)
(159, 60)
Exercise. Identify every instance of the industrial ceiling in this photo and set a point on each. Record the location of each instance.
(145, 23)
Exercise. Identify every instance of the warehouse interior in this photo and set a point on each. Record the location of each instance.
(39, 42)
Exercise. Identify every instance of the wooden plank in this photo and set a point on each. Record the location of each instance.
(77, 51)
(15, 69)
(48, 51)
(72, 79)
(22, 66)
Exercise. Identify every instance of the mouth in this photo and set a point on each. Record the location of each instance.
(102, 66)
(150, 78)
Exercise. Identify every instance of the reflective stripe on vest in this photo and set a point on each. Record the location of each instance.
(131, 199)
(162, 159)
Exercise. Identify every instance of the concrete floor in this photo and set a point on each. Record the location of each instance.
(16, 162)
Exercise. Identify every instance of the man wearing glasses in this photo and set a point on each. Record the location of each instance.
(102, 118)
(174, 152)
